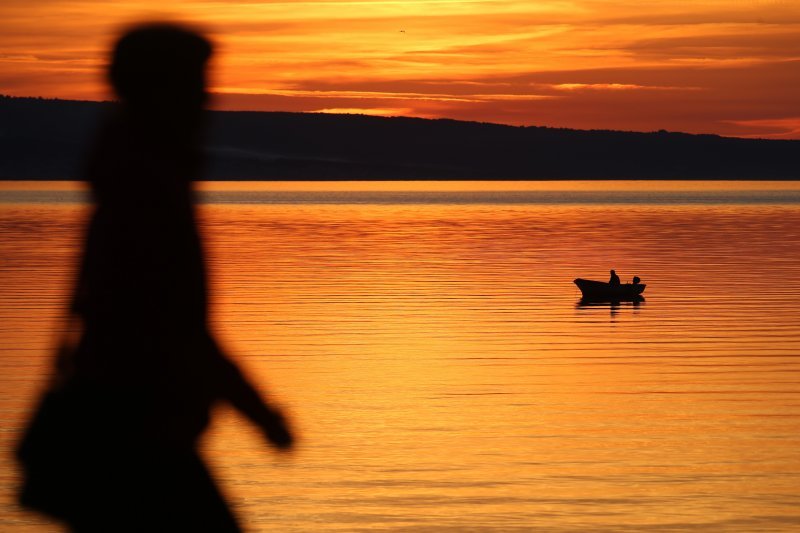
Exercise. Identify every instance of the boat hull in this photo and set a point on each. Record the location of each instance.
(599, 290)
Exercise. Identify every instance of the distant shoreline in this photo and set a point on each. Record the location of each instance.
(439, 185)
(44, 139)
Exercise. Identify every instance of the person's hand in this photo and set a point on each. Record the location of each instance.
(277, 430)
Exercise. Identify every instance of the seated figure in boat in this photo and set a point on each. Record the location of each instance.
(614, 279)
(636, 280)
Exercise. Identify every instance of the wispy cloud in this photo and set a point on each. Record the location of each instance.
(616, 87)
(374, 111)
(772, 128)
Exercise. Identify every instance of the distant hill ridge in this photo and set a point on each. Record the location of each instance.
(47, 139)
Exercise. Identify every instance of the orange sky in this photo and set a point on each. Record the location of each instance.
(719, 66)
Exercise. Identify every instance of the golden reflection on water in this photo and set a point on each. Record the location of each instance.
(444, 377)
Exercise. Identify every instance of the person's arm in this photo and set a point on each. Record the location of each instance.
(243, 396)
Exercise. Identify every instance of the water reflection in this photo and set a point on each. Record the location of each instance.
(635, 303)
(435, 349)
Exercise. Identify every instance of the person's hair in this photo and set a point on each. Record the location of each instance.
(159, 61)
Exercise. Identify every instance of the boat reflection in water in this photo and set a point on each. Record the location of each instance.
(613, 305)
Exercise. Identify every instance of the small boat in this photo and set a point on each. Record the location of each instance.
(600, 290)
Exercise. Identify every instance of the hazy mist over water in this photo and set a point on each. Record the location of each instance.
(213, 195)
(442, 372)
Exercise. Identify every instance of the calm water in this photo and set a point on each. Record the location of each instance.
(434, 355)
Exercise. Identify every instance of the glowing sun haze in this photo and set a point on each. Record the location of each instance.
(714, 66)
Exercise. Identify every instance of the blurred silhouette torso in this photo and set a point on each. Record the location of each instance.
(113, 444)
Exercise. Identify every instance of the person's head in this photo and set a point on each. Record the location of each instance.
(160, 65)
(613, 273)
(636, 279)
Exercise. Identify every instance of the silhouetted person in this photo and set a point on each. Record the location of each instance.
(113, 444)
(636, 280)
(614, 279)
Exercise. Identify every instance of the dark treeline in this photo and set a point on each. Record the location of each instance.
(46, 139)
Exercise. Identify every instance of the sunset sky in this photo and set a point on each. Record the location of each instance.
(715, 66)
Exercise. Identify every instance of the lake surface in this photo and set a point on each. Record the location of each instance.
(440, 368)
